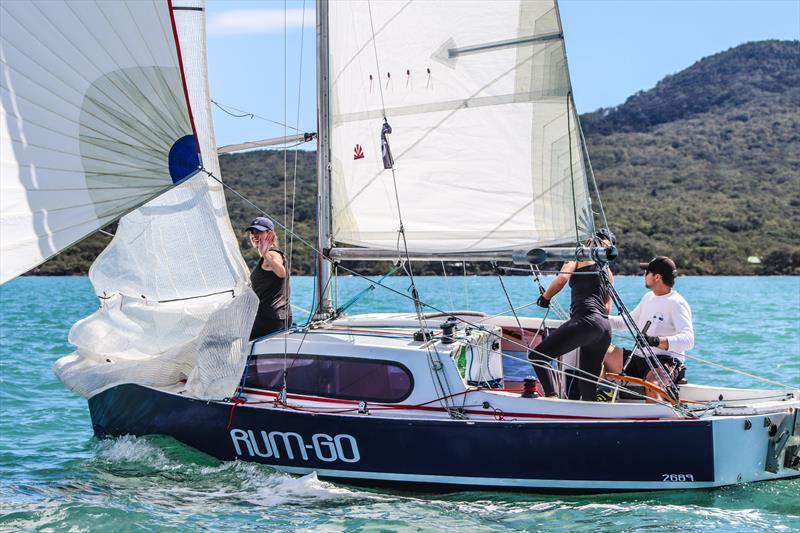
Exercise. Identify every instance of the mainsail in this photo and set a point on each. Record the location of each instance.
(486, 143)
(94, 120)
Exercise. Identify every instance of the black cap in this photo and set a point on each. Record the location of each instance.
(662, 265)
(606, 235)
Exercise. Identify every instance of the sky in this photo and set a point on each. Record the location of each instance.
(261, 53)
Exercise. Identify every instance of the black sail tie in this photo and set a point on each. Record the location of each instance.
(386, 151)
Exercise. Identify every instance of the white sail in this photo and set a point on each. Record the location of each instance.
(176, 306)
(94, 120)
(485, 139)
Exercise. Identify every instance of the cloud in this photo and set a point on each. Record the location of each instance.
(258, 21)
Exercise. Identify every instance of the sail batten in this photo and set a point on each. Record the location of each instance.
(486, 148)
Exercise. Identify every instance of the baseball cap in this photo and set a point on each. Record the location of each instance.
(606, 235)
(662, 265)
(261, 224)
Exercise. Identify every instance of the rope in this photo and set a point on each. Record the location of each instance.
(235, 402)
(383, 407)
(436, 365)
(592, 378)
(403, 295)
(731, 369)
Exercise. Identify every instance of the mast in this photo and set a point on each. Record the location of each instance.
(323, 307)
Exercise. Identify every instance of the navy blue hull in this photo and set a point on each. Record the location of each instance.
(498, 454)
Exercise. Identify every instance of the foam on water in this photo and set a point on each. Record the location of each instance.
(131, 450)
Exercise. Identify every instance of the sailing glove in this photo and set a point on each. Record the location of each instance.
(543, 302)
(652, 341)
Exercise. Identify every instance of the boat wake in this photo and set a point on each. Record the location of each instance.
(159, 483)
(198, 478)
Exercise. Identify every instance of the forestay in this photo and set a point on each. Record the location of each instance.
(485, 139)
(173, 284)
(94, 120)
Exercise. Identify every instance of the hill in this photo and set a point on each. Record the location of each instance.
(705, 167)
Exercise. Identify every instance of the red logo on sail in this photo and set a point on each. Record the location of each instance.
(358, 153)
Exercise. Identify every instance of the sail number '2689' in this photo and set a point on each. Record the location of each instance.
(291, 445)
(677, 477)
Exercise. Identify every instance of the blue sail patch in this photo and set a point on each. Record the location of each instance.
(184, 160)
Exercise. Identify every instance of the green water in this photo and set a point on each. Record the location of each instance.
(55, 475)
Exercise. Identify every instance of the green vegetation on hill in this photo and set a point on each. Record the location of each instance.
(704, 167)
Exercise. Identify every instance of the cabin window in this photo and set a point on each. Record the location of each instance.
(334, 377)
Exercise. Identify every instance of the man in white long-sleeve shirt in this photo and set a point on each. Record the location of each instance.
(666, 319)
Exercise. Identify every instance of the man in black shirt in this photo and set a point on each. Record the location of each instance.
(270, 280)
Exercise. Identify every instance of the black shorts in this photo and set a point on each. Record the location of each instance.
(264, 326)
(638, 367)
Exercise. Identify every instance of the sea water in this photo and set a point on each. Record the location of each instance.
(54, 475)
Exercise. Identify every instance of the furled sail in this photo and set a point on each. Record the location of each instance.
(94, 120)
(485, 139)
(176, 309)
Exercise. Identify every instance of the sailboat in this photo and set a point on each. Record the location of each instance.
(464, 145)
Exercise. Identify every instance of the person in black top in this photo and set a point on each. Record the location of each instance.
(588, 327)
(270, 280)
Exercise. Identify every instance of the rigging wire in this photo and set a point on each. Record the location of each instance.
(244, 114)
(592, 377)
(447, 285)
(649, 356)
(572, 170)
(297, 121)
(436, 365)
(466, 287)
(591, 173)
(723, 367)
(511, 305)
(468, 323)
(534, 269)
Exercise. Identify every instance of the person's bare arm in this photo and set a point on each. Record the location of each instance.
(563, 277)
(608, 300)
(273, 261)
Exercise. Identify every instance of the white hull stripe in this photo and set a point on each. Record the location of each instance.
(512, 482)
